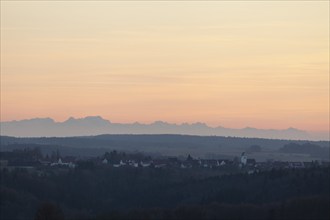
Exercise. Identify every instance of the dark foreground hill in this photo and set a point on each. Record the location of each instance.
(131, 193)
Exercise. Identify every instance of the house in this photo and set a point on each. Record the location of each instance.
(133, 163)
(280, 164)
(105, 161)
(211, 163)
(250, 162)
(296, 165)
(145, 164)
(222, 163)
(159, 163)
(185, 164)
(120, 164)
(68, 163)
(250, 172)
(308, 164)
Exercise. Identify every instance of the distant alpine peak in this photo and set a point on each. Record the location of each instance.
(200, 124)
(249, 128)
(50, 120)
(87, 119)
(70, 119)
(292, 129)
(160, 123)
(94, 118)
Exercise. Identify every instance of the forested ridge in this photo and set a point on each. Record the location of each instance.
(129, 193)
(173, 145)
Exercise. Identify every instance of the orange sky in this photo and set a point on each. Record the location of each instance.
(235, 64)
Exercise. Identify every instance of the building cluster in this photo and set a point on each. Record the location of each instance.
(10, 162)
(33, 164)
(171, 162)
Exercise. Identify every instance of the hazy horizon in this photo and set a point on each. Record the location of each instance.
(97, 125)
(146, 122)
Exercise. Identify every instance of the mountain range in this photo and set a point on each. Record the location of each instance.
(95, 125)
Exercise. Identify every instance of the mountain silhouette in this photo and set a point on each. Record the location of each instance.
(95, 125)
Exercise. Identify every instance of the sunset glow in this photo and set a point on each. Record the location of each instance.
(234, 64)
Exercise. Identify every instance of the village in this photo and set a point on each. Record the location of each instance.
(33, 161)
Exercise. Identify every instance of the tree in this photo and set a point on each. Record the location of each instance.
(49, 211)
(189, 158)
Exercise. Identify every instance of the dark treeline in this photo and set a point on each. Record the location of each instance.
(296, 209)
(134, 193)
(306, 148)
(47, 149)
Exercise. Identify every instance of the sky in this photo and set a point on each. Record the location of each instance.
(235, 64)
